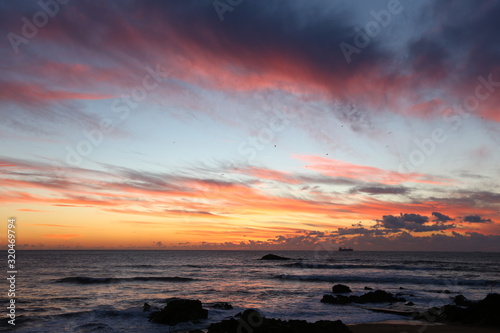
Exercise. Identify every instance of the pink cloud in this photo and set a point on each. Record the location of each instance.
(336, 168)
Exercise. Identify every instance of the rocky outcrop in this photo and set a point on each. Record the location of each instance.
(481, 313)
(273, 257)
(178, 311)
(460, 300)
(377, 296)
(252, 321)
(340, 289)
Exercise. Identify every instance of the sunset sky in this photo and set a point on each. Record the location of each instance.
(251, 124)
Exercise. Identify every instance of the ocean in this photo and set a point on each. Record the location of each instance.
(104, 291)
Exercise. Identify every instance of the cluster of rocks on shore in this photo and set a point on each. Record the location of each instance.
(485, 312)
(182, 310)
(252, 321)
(481, 313)
(377, 296)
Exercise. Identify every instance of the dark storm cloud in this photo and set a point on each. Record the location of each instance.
(484, 197)
(392, 222)
(295, 40)
(381, 190)
(11, 12)
(470, 198)
(308, 32)
(476, 219)
(435, 242)
(429, 57)
(402, 241)
(441, 217)
(410, 222)
(416, 218)
(468, 30)
(361, 231)
(259, 36)
(321, 179)
(304, 30)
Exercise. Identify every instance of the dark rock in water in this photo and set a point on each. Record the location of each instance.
(409, 303)
(273, 257)
(252, 321)
(222, 305)
(335, 299)
(401, 288)
(446, 291)
(338, 299)
(481, 313)
(329, 299)
(340, 289)
(367, 288)
(377, 296)
(178, 311)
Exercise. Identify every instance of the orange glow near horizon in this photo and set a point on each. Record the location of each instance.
(193, 212)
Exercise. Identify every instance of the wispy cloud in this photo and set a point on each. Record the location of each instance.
(336, 168)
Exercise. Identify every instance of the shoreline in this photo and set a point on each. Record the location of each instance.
(416, 326)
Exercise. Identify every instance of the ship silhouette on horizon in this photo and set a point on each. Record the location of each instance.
(345, 249)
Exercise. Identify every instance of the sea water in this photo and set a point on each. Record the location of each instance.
(104, 291)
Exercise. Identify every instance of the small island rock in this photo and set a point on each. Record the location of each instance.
(340, 289)
(273, 257)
